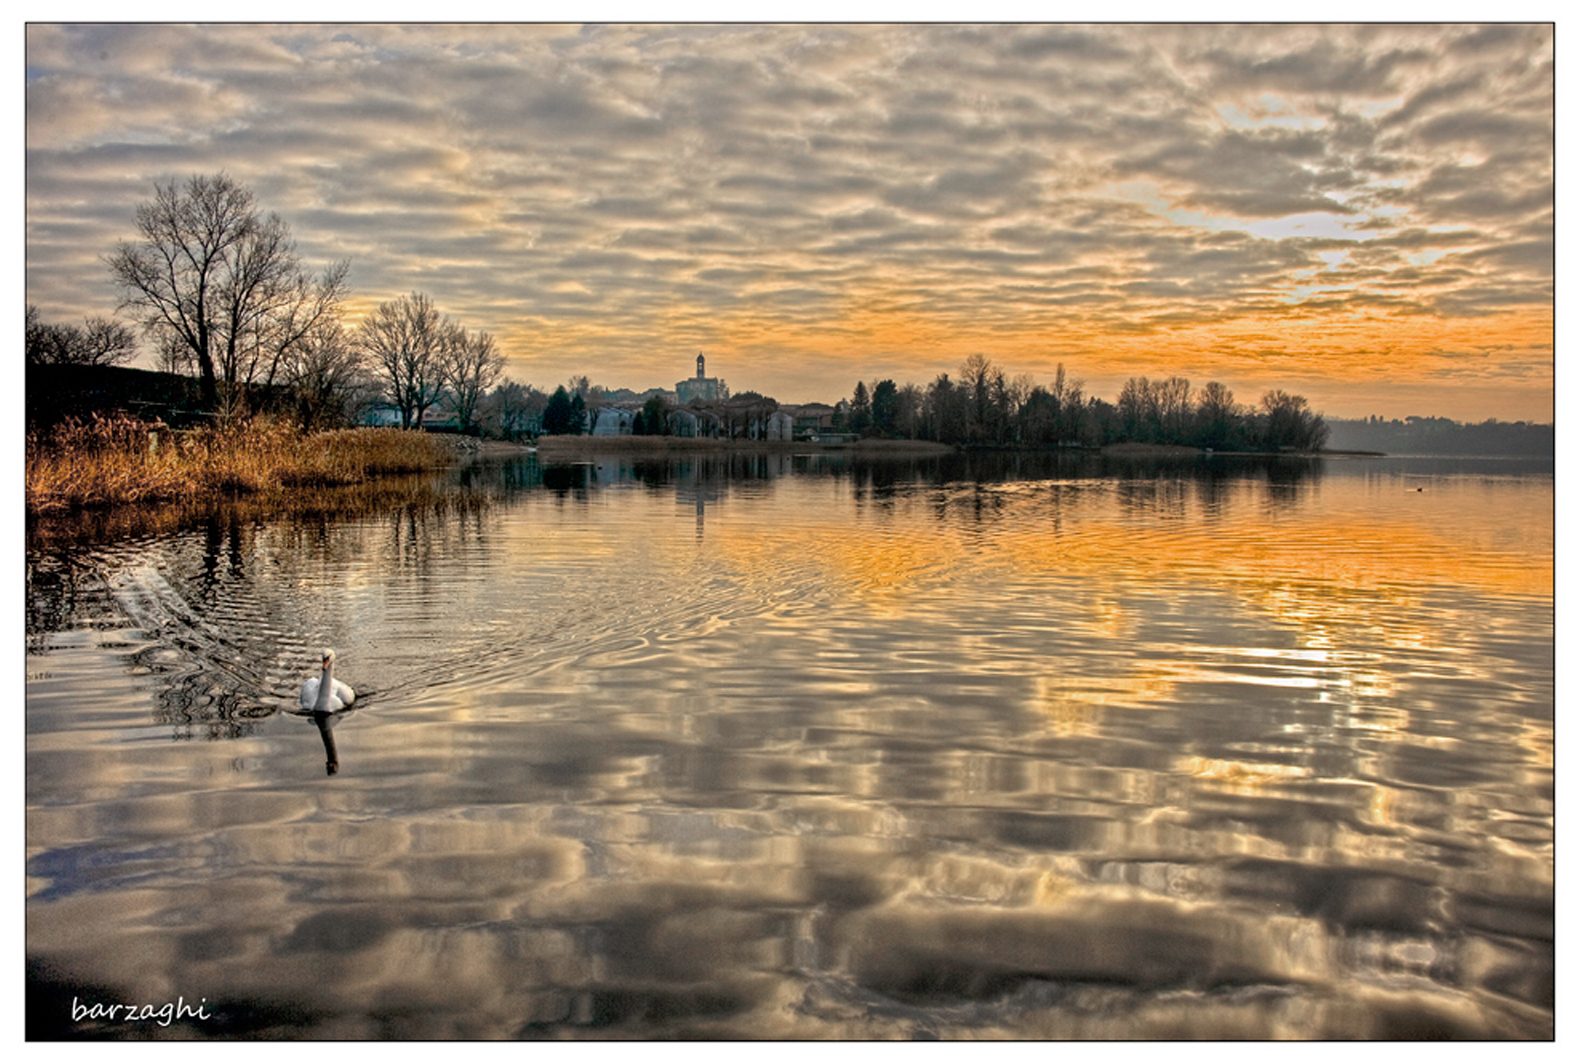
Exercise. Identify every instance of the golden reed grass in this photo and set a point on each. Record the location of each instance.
(108, 461)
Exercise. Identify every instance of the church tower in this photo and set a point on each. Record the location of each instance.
(700, 388)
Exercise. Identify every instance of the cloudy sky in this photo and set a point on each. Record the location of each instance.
(1360, 214)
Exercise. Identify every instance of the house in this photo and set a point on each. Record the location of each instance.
(694, 424)
(611, 421)
(386, 415)
(780, 426)
(684, 424)
(812, 418)
(380, 415)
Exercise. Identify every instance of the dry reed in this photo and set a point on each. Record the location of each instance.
(113, 460)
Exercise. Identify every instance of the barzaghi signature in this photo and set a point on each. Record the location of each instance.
(162, 1015)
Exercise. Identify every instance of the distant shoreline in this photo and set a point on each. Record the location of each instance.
(567, 446)
(575, 446)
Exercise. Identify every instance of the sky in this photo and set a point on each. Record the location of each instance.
(1360, 214)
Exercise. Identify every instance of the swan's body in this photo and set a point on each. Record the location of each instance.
(325, 693)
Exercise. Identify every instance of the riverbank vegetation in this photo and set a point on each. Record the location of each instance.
(105, 461)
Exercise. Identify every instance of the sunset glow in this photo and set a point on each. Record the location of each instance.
(1360, 214)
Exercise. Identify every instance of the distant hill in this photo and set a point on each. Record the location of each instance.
(1440, 435)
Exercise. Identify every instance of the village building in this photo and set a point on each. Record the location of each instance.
(611, 421)
(812, 419)
(701, 388)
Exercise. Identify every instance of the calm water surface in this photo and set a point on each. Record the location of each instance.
(792, 747)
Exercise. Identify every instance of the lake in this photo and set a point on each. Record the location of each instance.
(800, 746)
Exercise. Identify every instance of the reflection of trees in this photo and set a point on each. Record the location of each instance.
(566, 481)
(221, 596)
(1154, 497)
(215, 646)
(61, 590)
(96, 527)
(419, 534)
(977, 484)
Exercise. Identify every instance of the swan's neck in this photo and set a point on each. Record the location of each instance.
(325, 687)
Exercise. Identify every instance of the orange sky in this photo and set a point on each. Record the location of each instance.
(1360, 214)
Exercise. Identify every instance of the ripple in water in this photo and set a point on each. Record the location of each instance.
(790, 749)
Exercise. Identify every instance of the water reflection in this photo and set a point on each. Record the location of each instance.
(325, 722)
(773, 746)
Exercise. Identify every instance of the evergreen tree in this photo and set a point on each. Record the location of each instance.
(860, 409)
(884, 408)
(652, 420)
(559, 418)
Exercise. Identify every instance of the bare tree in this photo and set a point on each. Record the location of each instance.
(911, 410)
(39, 339)
(323, 368)
(405, 341)
(1068, 397)
(173, 355)
(980, 380)
(302, 309)
(1173, 408)
(591, 394)
(214, 274)
(1218, 416)
(472, 363)
(98, 341)
(512, 409)
(1138, 404)
(1288, 423)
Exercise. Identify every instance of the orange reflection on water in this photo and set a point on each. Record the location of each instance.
(1242, 776)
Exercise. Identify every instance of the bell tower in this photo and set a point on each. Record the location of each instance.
(700, 388)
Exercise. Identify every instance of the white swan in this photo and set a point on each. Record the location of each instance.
(325, 693)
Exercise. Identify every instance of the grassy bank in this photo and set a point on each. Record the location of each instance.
(116, 460)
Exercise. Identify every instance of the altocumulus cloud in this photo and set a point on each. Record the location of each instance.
(1335, 208)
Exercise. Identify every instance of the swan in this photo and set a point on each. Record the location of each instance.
(325, 693)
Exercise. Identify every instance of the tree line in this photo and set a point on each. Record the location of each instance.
(1440, 435)
(984, 407)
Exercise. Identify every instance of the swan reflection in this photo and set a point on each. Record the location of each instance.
(326, 722)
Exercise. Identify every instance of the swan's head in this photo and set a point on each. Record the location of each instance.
(328, 658)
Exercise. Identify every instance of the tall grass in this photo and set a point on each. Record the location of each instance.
(112, 460)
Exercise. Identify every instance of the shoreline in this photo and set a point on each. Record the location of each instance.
(552, 447)
(566, 446)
